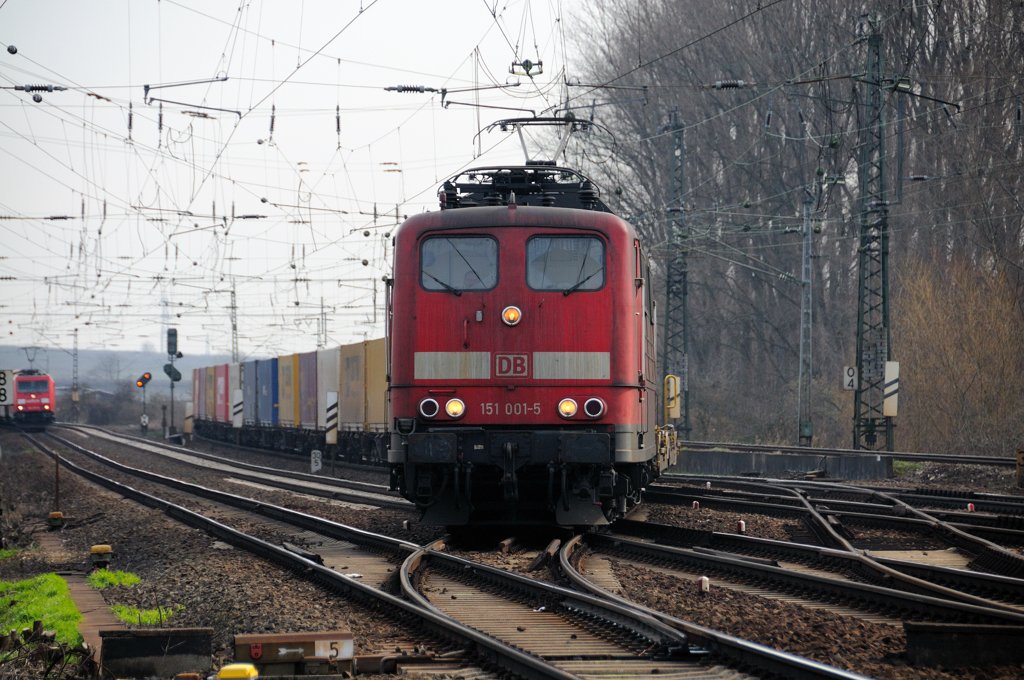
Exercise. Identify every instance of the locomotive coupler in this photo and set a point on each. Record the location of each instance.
(606, 484)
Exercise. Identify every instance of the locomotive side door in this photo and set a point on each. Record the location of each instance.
(640, 337)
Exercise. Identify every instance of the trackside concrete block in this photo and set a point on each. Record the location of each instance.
(156, 652)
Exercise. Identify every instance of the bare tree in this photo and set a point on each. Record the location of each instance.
(954, 145)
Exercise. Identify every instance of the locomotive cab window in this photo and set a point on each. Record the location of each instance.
(565, 263)
(33, 386)
(455, 264)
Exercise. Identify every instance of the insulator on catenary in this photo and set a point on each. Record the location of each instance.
(728, 84)
(40, 88)
(130, 114)
(273, 114)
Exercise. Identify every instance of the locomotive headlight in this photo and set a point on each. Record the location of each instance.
(429, 408)
(567, 408)
(594, 407)
(455, 408)
(511, 315)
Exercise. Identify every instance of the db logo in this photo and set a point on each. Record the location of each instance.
(511, 366)
(256, 651)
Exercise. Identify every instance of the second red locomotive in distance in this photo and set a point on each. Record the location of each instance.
(522, 347)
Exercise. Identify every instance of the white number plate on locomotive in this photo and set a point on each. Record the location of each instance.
(511, 408)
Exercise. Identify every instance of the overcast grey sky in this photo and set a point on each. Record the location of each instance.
(117, 220)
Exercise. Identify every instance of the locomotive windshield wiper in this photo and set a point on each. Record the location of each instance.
(447, 286)
(468, 263)
(579, 283)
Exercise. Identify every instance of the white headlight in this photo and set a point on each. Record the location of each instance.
(594, 407)
(429, 408)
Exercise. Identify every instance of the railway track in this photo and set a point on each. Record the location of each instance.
(823, 561)
(832, 579)
(583, 636)
(363, 567)
(359, 565)
(724, 447)
(825, 509)
(324, 486)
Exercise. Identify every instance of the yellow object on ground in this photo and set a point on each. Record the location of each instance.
(238, 671)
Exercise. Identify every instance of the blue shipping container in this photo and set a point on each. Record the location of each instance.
(266, 402)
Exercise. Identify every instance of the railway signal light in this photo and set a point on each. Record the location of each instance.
(172, 373)
(143, 379)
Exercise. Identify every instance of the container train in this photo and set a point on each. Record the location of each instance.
(32, 401)
(331, 400)
(516, 383)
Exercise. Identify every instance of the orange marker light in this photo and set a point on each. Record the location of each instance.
(455, 408)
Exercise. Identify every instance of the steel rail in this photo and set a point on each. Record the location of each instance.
(727, 447)
(664, 643)
(992, 555)
(477, 645)
(886, 598)
(830, 559)
(354, 492)
(369, 487)
(737, 650)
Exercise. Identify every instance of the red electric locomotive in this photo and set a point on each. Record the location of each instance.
(522, 354)
(34, 400)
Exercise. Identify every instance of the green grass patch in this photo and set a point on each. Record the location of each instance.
(146, 617)
(43, 598)
(7, 552)
(104, 578)
(905, 468)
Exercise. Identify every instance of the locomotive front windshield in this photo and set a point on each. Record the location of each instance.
(565, 263)
(40, 385)
(459, 263)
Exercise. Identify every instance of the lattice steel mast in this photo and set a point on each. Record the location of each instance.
(676, 328)
(871, 428)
